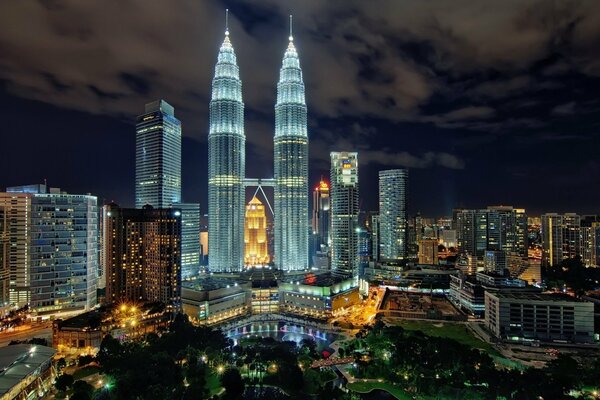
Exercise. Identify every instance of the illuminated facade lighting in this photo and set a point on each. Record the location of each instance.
(344, 213)
(255, 234)
(291, 220)
(158, 156)
(226, 165)
(393, 218)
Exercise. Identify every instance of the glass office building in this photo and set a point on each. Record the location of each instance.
(158, 156)
(393, 217)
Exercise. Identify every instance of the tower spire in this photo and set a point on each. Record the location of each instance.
(291, 36)
(227, 21)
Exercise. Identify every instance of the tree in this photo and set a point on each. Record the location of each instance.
(231, 380)
(83, 387)
(63, 382)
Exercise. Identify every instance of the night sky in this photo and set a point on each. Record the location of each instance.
(486, 102)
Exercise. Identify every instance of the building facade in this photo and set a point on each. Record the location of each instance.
(560, 237)
(53, 264)
(143, 249)
(393, 217)
(226, 165)
(291, 218)
(527, 317)
(255, 235)
(344, 213)
(190, 239)
(157, 156)
(321, 222)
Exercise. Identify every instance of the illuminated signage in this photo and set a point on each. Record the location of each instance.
(346, 164)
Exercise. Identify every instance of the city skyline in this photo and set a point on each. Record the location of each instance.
(529, 107)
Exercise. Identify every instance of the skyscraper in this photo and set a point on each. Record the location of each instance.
(4, 259)
(344, 213)
(157, 156)
(53, 257)
(190, 239)
(560, 237)
(255, 234)
(226, 164)
(320, 239)
(143, 254)
(393, 218)
(291, 166)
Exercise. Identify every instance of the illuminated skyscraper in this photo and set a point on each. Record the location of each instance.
(291, 166)
(393, 219)
(255, 234)
(321, 220)
(344, 214)
(143, 253)
(157, 156)
(226, 164)
(190, 239)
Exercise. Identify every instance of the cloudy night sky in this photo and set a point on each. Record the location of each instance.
(486, 102)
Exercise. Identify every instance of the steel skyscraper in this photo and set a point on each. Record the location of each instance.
(291, 166)
(157, 156)
(226, 165)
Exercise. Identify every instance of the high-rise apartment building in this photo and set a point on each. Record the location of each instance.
(190, 239)
(495, 228)
(52, 259)
(393, 218)
(255, 235)
(428, 251)
(143, 249)
(590, 241)
(344, 213)
(291, 220)
(157, 156)
(226, 165)
(560, 237)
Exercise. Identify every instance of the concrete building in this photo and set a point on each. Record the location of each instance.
(560, 237)
(428, 251)
(212, 301)
(344, 213)
(52, 260)
(143, 246)
(531, 317)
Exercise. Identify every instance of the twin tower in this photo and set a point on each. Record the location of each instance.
(227, 166)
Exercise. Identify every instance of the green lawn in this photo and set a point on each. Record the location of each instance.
(366, 387)
(458, 332)
(85, 371)
(214, 384)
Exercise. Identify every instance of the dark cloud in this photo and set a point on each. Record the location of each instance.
(424, 85)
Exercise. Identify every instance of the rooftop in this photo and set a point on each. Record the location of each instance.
(532, 296)
(19, 361)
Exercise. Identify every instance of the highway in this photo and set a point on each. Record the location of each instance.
(26, 332)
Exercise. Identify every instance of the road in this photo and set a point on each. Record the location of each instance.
(26, 332)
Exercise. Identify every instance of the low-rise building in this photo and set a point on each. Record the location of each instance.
(319, 298)
(27, 371)
(530, 317)
(211, 301)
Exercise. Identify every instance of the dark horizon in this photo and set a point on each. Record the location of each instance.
(502, 110)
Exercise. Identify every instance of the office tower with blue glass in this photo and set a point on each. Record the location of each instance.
(190, 239)
(344, 213)
(393, 218)
(226, 165)
(157, 156)
(53, 257)
(291, 220)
